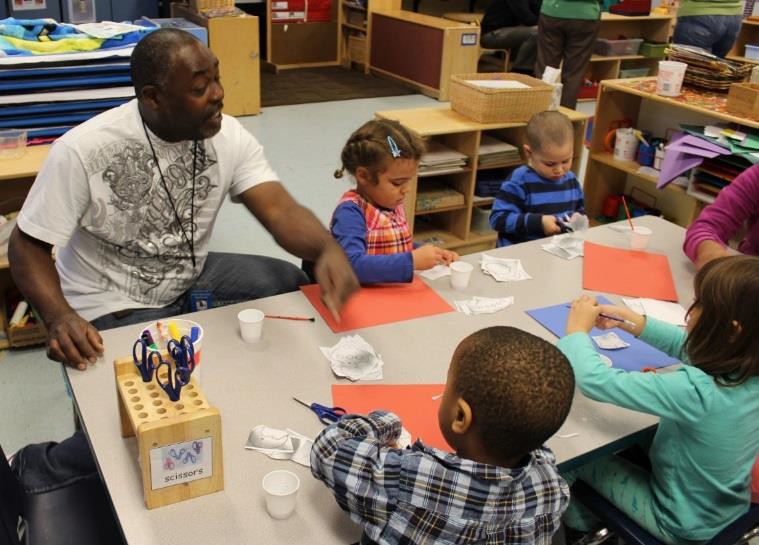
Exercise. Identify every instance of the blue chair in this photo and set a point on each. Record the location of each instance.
(737, 532)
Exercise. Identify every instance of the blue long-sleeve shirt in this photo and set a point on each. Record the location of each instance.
(707, 438)
(348, 227)
(525, 198)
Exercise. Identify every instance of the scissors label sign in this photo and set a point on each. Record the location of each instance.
(181, 462)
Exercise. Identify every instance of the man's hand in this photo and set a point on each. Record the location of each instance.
(73, 340)
(335, 276)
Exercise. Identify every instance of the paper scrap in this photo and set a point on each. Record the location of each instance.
(354, 358)
(438, 271)
(610, 341)
(281, 444)
(565, 246)
(483, 305)
(503, 269)
(673, 313)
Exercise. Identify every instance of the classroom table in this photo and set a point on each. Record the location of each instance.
(253, 384)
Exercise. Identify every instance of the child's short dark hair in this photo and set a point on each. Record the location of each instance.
(548, 128)
(519, 386)
(726, 289)
(370, 146)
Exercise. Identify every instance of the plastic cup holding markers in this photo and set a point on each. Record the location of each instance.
(162, 331)
(280, 489)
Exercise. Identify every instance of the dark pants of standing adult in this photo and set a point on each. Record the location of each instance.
(569, 43)
(715, 33)
(521, 41)
(232, 278)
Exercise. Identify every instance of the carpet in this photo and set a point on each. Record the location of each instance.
(304, 85)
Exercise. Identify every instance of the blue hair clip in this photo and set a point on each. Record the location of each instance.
(394, 149)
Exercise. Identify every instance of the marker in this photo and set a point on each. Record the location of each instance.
(608, 317)
(149, 339)
(194, 333)
(299, 318)
(174, 331)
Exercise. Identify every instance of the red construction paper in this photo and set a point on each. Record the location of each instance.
(627, 272)
(413, 403)
(381, 304)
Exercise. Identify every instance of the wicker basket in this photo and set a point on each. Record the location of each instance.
(499, 105)
(199, 5)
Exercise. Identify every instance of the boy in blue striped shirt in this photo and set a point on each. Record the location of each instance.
(540, 196)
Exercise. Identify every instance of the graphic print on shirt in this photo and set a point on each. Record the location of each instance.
(138, 229)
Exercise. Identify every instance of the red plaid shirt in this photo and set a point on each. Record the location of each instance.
(387, 231)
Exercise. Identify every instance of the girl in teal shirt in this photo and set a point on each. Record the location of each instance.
(708, 434)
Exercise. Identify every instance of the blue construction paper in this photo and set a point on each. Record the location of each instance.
(633, 358)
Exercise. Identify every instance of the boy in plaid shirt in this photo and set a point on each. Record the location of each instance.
(507, 392)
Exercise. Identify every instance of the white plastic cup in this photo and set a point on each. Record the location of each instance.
(461, 272)
(280, 489)
(670, 78)
(162, 336)
(639, 237)
(251, 324)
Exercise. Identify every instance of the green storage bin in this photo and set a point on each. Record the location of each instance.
(633, 72)
(652, 50)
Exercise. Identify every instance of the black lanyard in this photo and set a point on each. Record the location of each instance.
(190, 240)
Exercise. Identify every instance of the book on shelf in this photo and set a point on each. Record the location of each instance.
(494, 151)
(440, 159)
(434, 195)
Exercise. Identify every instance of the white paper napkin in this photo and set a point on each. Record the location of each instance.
(503, 269)
(483, 305)
(280, 444)
(354, 358)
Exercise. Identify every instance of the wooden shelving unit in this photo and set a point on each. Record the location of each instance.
(652, 28)
(453, 227)
(16, 178)
(748, 35)
(606, 176)
(354, 37)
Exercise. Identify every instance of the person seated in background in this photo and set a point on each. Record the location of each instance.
(500, 485)
(540, 197)
(512, 25)
(736, 207)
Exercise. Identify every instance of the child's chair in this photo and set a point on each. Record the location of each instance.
(737, 533)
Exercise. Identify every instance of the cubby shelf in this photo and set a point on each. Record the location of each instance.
(454, 228)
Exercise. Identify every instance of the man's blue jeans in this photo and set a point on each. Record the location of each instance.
(232, 278)
(715, 33)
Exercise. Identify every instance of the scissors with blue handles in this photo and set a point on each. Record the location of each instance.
(174, 380)
(326, 415)
(145, 359)
(182, 352)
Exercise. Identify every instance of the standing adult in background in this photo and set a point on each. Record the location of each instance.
(512, 25)
(735, 208)
(710, 24)
(567, 32)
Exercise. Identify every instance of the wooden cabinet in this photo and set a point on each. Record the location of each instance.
(462, 227)
(748, 35)
(652, 28)
(355, 29)
(422, 51)
(234, 40)
(636, 102)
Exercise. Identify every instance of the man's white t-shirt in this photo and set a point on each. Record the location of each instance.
(100, 200)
